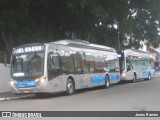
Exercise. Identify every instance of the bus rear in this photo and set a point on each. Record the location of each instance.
(136, 64)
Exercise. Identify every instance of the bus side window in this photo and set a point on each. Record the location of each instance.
(66, 62)
(89, 63)
(78, 61)
(113, 66)
(100, 64)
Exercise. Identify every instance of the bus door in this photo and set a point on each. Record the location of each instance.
(129, 69)
(113, 69)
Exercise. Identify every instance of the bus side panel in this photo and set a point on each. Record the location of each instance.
(129, 75)
(89, 80)
(82, 81)
(114, 78)
(58, 84)
(97, 79)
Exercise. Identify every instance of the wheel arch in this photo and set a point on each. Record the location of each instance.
(107, 75)
(134, 73)
(70, 77)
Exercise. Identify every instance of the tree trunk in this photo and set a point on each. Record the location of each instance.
(6, 37)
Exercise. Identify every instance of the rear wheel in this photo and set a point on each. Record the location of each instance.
(70, 87)
(107, 82)
(134, 78)
(149, 76)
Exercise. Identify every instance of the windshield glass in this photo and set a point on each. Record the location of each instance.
(28, 64)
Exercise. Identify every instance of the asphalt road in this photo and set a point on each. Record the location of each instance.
(139, 96)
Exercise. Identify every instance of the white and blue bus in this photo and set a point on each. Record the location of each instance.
(135, 65)
(61, 66)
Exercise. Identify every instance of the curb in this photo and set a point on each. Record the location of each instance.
(14, 98)
(2, 99)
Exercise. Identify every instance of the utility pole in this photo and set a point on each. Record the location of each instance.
(118, 36)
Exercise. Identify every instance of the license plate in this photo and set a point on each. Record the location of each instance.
(26, 91)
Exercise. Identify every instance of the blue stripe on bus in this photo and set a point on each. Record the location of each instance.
(114, 77)
(98, 79)
(26, 84)
(101, 78)
(145, 73)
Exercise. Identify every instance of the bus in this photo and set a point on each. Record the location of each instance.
(62, 66)
(135, 65)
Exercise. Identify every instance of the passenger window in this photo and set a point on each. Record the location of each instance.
(67, 63)
(89, 63)
(113, 66)
(99, 63)
(78, 63)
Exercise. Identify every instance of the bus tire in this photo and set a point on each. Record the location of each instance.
(107, 82)
(149, 76)
(70, 87)
(134, 78)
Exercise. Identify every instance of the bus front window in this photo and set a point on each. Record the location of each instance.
(27, 65)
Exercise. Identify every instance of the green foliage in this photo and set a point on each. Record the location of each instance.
(28, 21)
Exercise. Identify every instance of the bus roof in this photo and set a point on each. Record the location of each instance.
(83, 44)
(73, 43)
(138, 53)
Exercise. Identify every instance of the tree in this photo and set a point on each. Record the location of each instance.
(30, 21)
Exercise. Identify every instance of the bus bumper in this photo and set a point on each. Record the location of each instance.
(31, 90)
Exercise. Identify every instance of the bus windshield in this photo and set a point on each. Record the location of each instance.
(27, 64)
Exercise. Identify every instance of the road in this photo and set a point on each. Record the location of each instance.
(139, 96)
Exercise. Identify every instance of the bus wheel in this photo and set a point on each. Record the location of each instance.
(107, 82)
(149, 76)
(134, 78)
(70, 87)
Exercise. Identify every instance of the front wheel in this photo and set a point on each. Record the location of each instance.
(70, 87)
(107, 82)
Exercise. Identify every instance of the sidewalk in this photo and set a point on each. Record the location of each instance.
(6, 94)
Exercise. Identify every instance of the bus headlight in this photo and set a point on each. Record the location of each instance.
(124, 74)
(12, 83)
(41, 81)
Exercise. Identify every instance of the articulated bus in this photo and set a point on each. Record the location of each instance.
(135, 65)
(62, 66)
